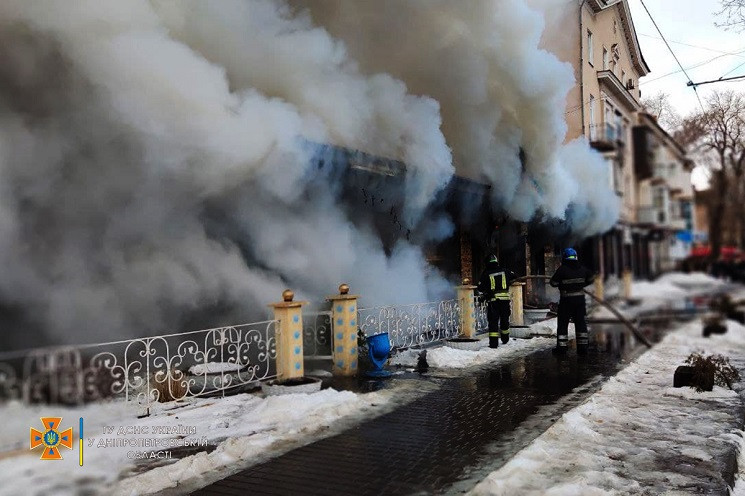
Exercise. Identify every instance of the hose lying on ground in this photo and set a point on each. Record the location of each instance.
(605, 304)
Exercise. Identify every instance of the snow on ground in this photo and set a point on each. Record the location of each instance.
(243, 426)
(447, 357)
(739, 489)
(215, 368)
(637, 435)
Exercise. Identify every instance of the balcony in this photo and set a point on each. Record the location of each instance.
(605, 137)
(610, 83)
(652, 216)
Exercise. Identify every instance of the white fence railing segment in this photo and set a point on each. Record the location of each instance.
(149, 369)
(412, 325)
(482, 322)
(318, 337)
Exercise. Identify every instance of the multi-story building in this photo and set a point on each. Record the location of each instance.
(604, 50)
(665, 195)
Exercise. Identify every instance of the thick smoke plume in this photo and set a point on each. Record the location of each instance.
(155, 159)
(498, 91)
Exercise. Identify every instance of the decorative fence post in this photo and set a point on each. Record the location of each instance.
(516, 298)
(344, 331)
(289, 337)
(599, 287)
(627, 284)
(467, 307)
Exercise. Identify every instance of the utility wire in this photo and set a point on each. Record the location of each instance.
(673, 54)
(733, 70)
(694, 66)
(693, 46)
(720, 80)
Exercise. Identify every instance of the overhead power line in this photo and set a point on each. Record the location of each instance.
(690, 82)
(694, 46)
(720, 80)
(694, 66)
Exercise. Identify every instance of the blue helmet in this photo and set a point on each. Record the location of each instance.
(570, 254)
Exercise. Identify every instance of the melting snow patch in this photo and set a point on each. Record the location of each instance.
(637, 435)
(243, 427)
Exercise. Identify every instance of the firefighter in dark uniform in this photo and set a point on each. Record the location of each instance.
(571, 278)
(494, 286)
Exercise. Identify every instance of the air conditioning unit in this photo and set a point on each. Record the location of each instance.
(630, 84)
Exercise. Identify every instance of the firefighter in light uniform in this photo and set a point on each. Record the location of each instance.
(571, 278)
(494, 285)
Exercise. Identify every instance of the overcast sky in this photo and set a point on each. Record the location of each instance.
(684, 23)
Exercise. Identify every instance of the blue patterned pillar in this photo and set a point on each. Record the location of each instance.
(289, 337)
(344, 325)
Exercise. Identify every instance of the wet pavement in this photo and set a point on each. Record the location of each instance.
(446, 441)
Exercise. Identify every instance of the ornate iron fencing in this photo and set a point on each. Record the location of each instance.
(149, 369)
(482, 322)
(411, 325)
(317, 335)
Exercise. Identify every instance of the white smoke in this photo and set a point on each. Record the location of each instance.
(127, 124)
(499, 93)
(154, 158)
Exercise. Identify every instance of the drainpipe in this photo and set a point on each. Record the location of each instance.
(582, 66)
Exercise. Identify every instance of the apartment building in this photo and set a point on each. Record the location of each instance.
(665, 194)
(604, 50)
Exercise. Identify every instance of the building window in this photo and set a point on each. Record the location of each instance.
(605, 59)
(590, 50)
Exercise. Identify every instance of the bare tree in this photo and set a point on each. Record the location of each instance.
(733, 13)
(660, 107)
(719, 132)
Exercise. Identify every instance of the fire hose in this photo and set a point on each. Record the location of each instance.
(641, 337)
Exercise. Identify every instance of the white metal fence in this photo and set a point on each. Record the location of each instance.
(412, 325)
(149, 369)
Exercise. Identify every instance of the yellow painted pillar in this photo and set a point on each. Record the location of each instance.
(599, 287)
(627, 284)
(516, 298)
(465, 296)
(344, 325)
(289, 336)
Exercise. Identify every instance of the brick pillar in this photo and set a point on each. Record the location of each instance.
(516, 299)
(289, 336)
(467, 308)
(344, 331)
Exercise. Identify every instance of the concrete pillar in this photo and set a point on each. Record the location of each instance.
(289, 336)
(600, 287)
(516, 298)
(465, 297)
(627, 284)
(344, 326)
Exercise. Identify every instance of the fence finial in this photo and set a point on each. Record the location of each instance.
(344, 289)
(288, 295)
(466, 281)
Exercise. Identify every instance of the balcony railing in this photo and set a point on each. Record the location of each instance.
(652, 215)
(605, 136)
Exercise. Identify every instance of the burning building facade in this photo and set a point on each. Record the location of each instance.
(161, 166)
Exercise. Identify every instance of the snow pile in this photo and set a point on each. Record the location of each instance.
(674, 285)
(214, 368)
(698, 280)
(637, 435)
(244, 427)
(660, 290)
(445, 357)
